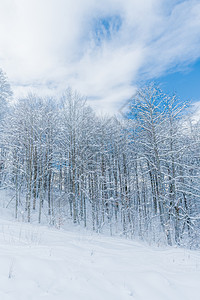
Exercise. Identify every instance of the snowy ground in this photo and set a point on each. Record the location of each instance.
(40, 263)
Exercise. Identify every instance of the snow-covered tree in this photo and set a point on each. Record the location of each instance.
(138, 176)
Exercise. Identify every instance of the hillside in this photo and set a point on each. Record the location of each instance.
(43, 263)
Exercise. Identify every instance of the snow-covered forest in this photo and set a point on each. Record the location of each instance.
(136, 175)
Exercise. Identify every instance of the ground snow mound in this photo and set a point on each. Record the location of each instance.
(40, 263)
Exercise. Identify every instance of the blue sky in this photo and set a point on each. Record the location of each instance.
(185, 83)
(103, 49)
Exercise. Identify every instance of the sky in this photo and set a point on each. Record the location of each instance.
(104, 49)
(185, 83)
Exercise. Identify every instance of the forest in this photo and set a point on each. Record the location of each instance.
(136, 175)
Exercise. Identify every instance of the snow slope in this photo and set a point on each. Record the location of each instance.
(39, 263)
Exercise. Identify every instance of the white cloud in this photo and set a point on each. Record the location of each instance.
(102, 48)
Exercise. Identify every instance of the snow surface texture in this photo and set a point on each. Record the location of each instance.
(42, 263)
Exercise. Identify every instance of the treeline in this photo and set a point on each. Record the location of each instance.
(138, 176)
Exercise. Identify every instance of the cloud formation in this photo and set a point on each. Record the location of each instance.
(101, 48)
